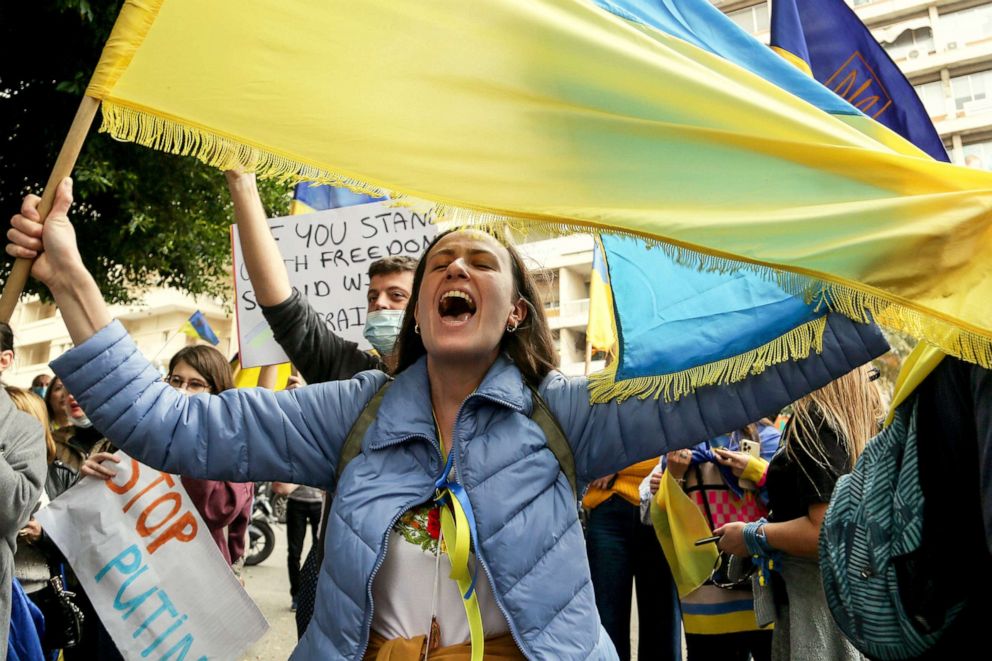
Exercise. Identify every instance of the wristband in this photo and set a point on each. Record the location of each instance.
(756, 471)
(762, 554)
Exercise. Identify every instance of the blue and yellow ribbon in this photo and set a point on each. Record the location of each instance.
(459, 532)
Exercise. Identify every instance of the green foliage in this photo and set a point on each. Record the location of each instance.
(143, 218)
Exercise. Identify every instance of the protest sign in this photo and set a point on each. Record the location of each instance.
(327, 255)
(150, 567)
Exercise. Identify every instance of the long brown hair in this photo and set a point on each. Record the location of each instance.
(55, 413)
(851, 406)
(209, 362)
(530, 347)
(30, 403)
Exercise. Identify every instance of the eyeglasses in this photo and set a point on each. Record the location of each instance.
(192, 386)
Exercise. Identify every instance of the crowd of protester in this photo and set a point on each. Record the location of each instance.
(718, 537)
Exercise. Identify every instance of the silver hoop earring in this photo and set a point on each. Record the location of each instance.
(511, 329)
(416, 329)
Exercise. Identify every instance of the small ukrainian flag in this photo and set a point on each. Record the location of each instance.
(198, 328)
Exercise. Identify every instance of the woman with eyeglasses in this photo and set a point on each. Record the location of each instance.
(224, 506)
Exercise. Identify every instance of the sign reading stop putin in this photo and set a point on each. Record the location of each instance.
(146, 560)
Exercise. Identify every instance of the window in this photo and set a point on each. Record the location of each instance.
(967, 26)
(32, 354)
(978, 155)
(754, 19)
(932, 96)
(910, 44)
(36, 311)
(973, 92)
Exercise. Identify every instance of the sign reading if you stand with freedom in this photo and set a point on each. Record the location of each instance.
(150, 567)
(327, 255)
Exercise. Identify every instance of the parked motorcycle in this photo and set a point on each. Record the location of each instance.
(261, 536)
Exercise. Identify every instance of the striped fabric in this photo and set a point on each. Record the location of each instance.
(876, 516)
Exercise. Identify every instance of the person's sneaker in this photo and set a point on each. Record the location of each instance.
(292, 606)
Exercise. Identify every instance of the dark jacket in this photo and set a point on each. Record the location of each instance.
(319, 353)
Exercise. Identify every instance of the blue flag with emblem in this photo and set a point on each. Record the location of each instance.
(827, 40)
(680, 327)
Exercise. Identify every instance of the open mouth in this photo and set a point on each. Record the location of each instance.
(456, 306)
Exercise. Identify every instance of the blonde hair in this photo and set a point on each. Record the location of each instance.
(851, 406)
(30, 403)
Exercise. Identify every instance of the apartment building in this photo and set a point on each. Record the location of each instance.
(40, 335)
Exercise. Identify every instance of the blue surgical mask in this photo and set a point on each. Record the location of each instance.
(41, 391)
(382, 327)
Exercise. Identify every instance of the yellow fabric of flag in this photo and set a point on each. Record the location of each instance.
(188, 330)
(678, 523)
(601, 331)
(561, 114)
(247, 377)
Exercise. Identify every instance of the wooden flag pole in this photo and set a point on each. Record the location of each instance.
(63, 168)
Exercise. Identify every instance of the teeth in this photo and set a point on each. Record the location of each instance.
(457, 294)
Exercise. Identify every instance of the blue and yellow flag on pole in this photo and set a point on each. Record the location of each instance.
(827, 40)
(197, 327)
(661, 120)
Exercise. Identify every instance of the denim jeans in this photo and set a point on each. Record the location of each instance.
(623, 550)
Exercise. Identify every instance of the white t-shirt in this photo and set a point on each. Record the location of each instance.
(404, 586)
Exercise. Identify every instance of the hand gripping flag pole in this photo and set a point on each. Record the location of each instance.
(66, 160)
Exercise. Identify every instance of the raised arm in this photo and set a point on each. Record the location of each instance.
(266, 270)
(317, 352)
(607, 437)
(239, 435)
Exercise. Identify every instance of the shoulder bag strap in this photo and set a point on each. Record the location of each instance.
(555, 437)
(352, 446)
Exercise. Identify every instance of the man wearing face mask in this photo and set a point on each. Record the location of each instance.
(313, 348)
(39, 385)
(317, 352)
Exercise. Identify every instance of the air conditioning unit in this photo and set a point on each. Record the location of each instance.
(951, 45)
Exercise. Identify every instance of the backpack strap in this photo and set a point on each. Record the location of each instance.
(353, 442)
(541, 414)
(555, 438)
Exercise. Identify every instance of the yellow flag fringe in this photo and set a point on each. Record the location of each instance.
(848, 298)
(794, 345)
(151, 130)
(854, 300)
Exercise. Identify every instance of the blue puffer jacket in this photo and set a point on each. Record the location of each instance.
(531, 547)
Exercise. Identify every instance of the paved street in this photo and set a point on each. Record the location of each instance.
(268, 585)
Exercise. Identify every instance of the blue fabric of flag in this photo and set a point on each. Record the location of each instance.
(703, 25)
(672, 317)
(846, 58)
(203, 329)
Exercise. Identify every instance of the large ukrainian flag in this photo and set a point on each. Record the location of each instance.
(661, 120)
